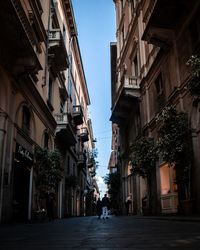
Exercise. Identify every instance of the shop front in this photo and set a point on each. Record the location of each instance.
(22, 183)
(169, 194)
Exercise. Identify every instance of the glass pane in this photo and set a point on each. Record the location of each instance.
(165, 179)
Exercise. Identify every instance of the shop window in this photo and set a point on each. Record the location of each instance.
(165, 179)
(129, 168)
(168, 179)
(26, 120)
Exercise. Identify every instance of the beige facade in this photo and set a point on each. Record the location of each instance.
(43, 101)
(148, 71)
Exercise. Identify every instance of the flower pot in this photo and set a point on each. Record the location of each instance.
(187, 206)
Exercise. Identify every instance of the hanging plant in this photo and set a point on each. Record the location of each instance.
(48, 169)
(194, 79)
(174, 145)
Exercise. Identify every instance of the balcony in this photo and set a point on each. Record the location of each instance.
(84, 135)
(77, 115)
(65, 135)
(90, 162)
(18, 41)
(57, 50)
(162, 19)
(81, 160)
(127, 95)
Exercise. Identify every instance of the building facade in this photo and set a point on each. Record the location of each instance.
(43, 101)
(155, 39)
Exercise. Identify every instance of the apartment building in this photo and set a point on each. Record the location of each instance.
(155, 38)
(43, 101)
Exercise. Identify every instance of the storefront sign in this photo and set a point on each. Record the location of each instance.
(22, 153)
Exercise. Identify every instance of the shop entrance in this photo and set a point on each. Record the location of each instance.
(21, 181)
(20, 191)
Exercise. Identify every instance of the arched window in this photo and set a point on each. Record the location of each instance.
(46, 140)
(26, 117)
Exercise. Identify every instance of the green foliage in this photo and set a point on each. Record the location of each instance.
(71, 181)
(93, 162)
(174, 144)
(113, 180)
(93, 172)
(194, 79)
(47, 168)
(143, 156)
(174, 137)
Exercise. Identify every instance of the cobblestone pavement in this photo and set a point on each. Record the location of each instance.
(91, 233)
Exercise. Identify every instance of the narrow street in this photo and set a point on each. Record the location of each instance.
(90, 233)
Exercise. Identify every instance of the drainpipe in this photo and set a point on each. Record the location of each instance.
(47, 48)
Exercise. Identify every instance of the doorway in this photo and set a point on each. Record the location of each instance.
(21, 179)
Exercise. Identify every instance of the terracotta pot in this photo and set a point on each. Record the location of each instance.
(187, 206)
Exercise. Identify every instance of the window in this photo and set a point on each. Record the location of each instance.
(165, 179)
(132, 6)
(70, 88)
(68, 165)
(26, 120)
(123, 34)
(135, 66)
(46, 140)
(50, 90)
(70, 62)
(64, 34)
(194, 29)
(160, 92)
(61, 106)
(168, 179)
(122, 7)
(159, 85)
(138, 121)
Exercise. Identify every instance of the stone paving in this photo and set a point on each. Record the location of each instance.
(90, 233)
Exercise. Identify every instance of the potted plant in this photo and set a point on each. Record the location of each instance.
(47, 174)
(174, 146)
(143, 157)
(113, 181)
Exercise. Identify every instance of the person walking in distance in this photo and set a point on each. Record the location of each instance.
(99, 208)
(127, 204)
(105, 205)
(50, 205)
